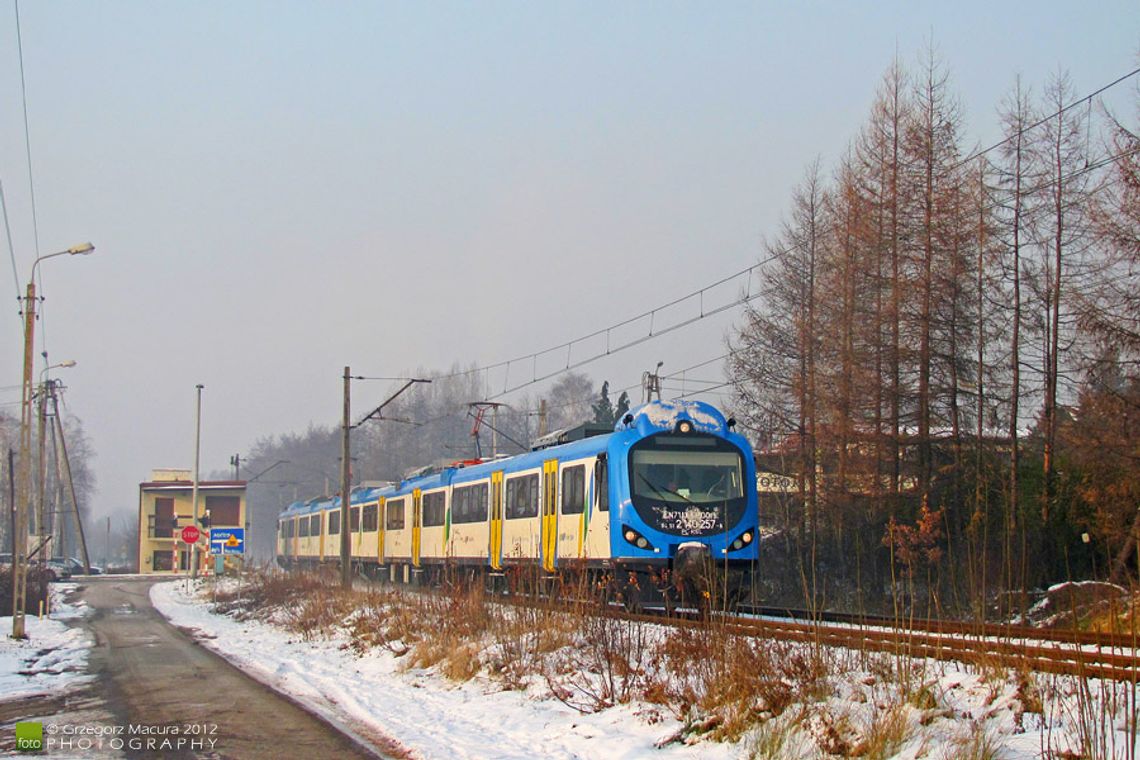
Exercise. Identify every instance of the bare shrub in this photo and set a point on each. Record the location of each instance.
(604, 666)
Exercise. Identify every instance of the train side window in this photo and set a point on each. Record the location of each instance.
(574, 490)
(315, 525)
(303, 527)
(395, 517)
(522, 497)
(354, 520)
(602, 484)
(334, 522)
(479, 505)
(433, 505)
(369, 517)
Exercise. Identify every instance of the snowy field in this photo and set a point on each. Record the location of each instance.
(54, 656)
(424, 712)
(960, 712)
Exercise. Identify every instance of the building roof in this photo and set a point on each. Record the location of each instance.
(182, 485)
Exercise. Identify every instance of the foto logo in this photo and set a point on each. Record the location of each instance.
(29, 736)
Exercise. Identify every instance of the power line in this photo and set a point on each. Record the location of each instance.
(1086, 99)
(27, 131)
(11, 248)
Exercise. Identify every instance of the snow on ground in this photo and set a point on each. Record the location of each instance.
(958, 712)
(424, 712)
(54, 655)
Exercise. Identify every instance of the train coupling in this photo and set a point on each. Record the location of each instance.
(692, 561)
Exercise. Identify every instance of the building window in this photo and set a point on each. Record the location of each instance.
(224, 510)
(163, 519)
(162, 560)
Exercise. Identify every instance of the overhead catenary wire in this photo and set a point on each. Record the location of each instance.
(1083, 99)
(747, 297)
(27, 131)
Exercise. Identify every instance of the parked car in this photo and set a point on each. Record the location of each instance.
(76, 567)
(56, 570)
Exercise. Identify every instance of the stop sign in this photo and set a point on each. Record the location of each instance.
(190, 534)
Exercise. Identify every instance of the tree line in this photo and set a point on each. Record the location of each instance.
(946, 347)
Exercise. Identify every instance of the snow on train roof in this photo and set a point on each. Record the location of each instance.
(664, 415)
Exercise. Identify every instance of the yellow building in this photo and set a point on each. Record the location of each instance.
(165, 508)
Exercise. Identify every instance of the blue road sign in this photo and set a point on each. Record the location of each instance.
(227, 541)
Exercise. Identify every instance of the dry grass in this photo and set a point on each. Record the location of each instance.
(720, 685)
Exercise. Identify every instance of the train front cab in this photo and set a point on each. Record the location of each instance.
(685, 523)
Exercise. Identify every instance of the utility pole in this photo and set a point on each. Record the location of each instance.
(542, 418)
(41, 472)
(345, 482)
(23, 482)
(194, 491)
(235, 462)
(20, 528)
(66, 463)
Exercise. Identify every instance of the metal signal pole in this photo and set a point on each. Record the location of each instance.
(345, 483)
(194, 490)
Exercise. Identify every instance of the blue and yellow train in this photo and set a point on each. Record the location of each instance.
(665, 503)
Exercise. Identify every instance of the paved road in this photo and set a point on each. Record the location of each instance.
(150, 674)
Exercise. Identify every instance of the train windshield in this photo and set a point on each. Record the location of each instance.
(681, 477)
(687, 485)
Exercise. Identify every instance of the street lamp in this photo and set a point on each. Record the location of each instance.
(23, 481)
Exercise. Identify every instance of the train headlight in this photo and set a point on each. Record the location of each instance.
(635, 538)
(684, 427)
(743, 540)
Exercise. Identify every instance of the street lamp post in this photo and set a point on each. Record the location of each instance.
(23, 481)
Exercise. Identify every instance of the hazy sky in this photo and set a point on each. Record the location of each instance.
(278, 189)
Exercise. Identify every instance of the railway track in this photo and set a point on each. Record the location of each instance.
(955, 627)
(1074, 653)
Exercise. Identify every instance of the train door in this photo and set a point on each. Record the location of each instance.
(417, 521)
(320, 534)
(598, 524)
(572, 511)
(381, 524)
(549, 513)
(497, 520)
